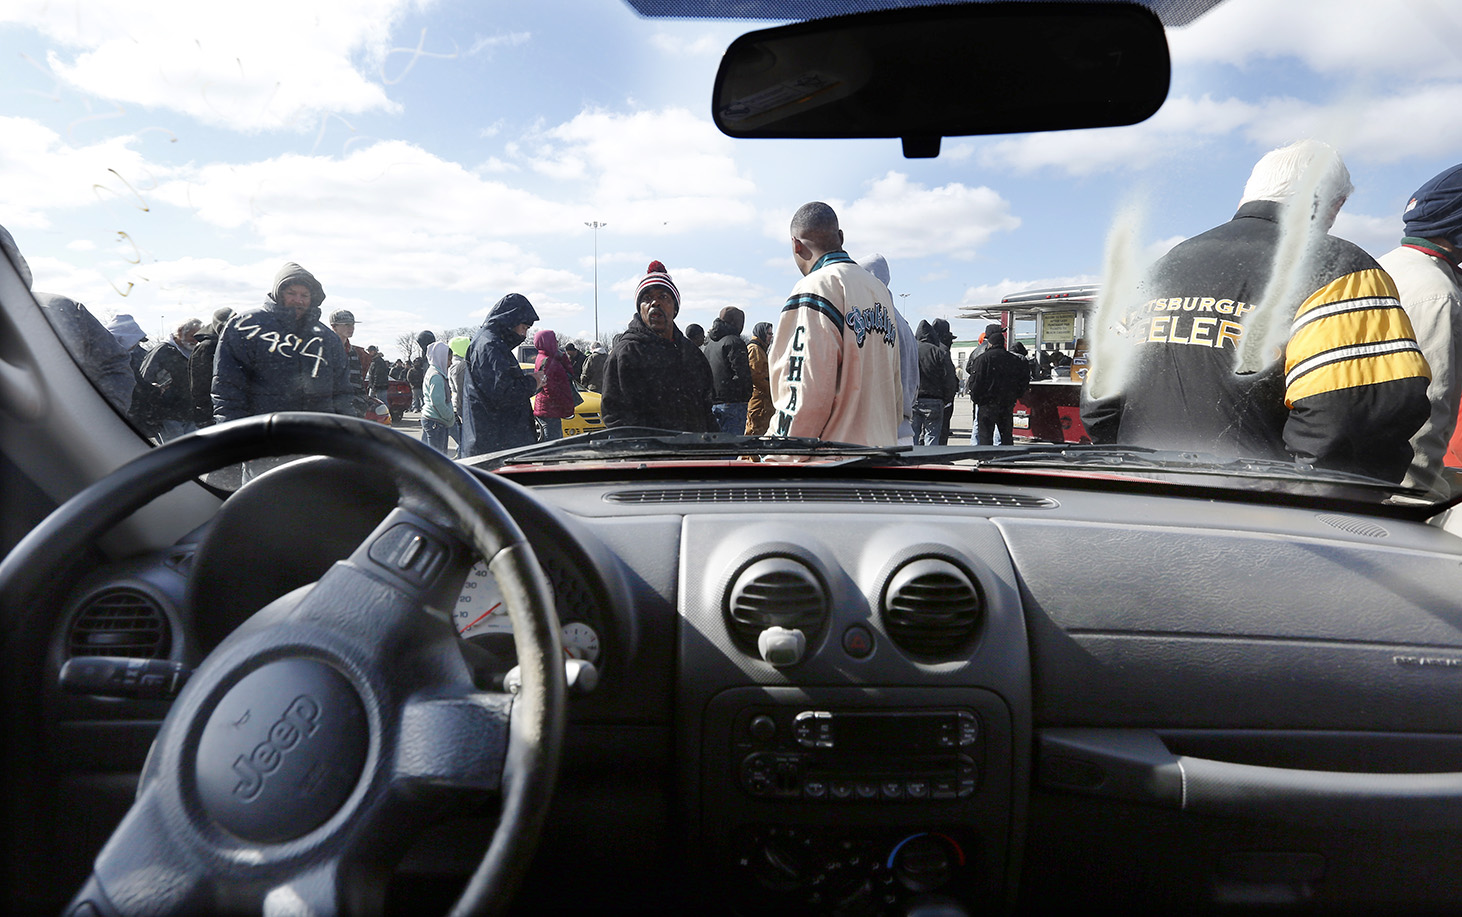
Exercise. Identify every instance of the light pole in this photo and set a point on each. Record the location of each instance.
(595, 226)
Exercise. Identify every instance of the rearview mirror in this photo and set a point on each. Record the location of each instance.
(924, 73)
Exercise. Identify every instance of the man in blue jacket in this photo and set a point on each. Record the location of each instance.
(497, 411)
(280, 357)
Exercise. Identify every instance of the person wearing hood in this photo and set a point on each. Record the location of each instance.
(937, 383)
(759, 409)
(200, 367)
(945, 339)
(167, 369)
(90, 343)
(457, 382)
(730, 370)
(555, 400)
(877, 265)
(279, 356)
(497, 402)
(655, 377)
(997, 380)
(1429, 284)
(142, 410)
(436, 409)
(591, 376)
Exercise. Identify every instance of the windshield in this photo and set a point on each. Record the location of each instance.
(494, 226)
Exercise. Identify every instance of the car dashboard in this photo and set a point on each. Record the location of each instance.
(1010, 693)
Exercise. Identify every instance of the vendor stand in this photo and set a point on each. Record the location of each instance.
(1052, 325)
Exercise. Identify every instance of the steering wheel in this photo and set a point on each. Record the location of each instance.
(341, 717)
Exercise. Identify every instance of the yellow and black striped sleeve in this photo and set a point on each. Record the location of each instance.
(1350, 332)
(1355, 378)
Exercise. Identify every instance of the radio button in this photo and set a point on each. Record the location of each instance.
(918, 789)
(840, 789)
(966, 787)
(865, 789)
(814, 789)
(969, 729)
(893, 789)
(943, 788)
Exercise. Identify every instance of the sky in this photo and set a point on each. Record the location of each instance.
(424, 158)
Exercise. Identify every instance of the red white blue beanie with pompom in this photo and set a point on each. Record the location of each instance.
(655, 275)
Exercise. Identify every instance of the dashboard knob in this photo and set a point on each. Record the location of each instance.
(922, 863)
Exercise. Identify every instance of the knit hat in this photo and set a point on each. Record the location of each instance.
(1435, 210)
(459, 345)
(656, 274)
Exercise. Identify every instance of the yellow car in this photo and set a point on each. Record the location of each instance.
(586, 412)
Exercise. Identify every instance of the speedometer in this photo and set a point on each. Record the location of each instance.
(480, 608)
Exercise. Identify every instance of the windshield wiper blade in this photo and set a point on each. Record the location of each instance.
(653, 442)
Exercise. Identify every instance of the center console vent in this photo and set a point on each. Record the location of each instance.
(932, 608)
(775, 592)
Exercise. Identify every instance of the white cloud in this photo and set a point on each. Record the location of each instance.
(647, 171)
(1376, 235)
(81, 245)
(680, 46)
(43, 173)
(1330, 36)
(903, 219)
(1377, 128)
(387, 214)
(278, 63)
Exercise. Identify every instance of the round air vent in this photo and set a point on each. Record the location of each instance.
(932, 608)
(120, 622)
(775, 592)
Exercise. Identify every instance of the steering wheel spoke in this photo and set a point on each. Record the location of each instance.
(299, 757)
(457, 743)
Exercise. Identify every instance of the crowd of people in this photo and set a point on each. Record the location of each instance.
(1264, 337)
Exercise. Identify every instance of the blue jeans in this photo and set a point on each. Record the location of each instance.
(731, 416)
(928, 421)
(434, 434)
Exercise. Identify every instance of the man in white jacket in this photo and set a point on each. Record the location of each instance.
(1425, 268)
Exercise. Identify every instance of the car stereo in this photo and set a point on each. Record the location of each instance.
(857, 756)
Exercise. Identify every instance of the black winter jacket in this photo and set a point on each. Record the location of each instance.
(268, 360)
(497, 403)
(652, 382)
(937, 376)
(1347, 394)
(730, 365)
(997, 378)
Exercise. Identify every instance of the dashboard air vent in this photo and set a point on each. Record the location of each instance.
(932, 608)
(862, 495)
(775, 592)
(120, 622)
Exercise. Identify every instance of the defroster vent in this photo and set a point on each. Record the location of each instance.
(932, 608)
(120, 622)
(776, 592)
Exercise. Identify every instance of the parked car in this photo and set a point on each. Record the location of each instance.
(652, 674)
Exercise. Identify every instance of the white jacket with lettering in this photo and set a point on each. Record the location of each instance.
(835, 358)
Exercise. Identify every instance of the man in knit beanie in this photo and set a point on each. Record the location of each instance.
(655, 377)
(1425, 268)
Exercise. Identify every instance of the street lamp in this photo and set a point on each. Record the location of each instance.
(595, 226)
